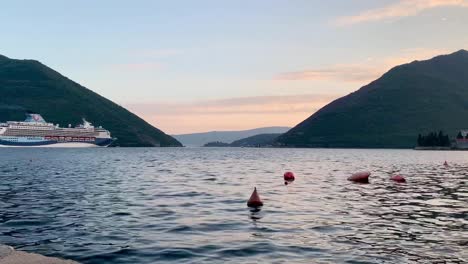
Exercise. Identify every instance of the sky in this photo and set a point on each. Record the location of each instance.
(203, 65)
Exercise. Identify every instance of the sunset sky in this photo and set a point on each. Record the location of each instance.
(192, 66)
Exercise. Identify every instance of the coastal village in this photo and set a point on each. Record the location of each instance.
(439, 141)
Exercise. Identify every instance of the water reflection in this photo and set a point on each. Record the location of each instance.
(255, 213)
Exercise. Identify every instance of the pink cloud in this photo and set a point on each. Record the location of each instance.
(344, 73)
(402, 8)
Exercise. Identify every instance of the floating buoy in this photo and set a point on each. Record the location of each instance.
(362, 177)
(445, 163)
(398, 178)
(254, 200)
(288, 177)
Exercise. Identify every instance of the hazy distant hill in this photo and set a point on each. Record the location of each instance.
(418, 97)
(30, 85)
(199, 139)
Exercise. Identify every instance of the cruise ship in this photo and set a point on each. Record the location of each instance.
(36, 132)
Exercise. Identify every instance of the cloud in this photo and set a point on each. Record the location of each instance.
(361, 72)
(342, 72)
(402, 8)
(230, 113)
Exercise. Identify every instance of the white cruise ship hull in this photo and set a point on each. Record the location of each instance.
(56, 145)
(54, 142)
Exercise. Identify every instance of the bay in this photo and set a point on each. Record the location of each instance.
(188, 205)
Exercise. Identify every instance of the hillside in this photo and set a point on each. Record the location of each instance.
(29, 85)
(256, 141)
(390, 112)
(199, 139)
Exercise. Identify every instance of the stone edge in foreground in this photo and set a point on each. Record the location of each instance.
(10, 256)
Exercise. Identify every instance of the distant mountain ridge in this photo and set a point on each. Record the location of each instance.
(199, 139)
(30, 85)
(390, 112)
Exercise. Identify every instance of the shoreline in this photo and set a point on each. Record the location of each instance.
(434, 148)
(440, 148)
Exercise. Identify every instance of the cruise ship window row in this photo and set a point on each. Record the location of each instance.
(11, 132)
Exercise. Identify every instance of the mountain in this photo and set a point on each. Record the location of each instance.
(390, 112)
(260, 140)
(199, 139)
(28, 85)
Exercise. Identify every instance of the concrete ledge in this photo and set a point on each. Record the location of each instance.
(10, 256)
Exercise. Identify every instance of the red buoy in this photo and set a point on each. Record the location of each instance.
(289, 176)
(445, 163)
(254, 200)
(362, 177)
(398, 178)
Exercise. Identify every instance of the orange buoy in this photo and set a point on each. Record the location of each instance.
(288, 177)
(362, 177)
(254, 200)
(398, 178)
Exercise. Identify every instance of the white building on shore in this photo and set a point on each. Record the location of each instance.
(461, 141)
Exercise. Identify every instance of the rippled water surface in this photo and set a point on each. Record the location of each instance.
(189, 205)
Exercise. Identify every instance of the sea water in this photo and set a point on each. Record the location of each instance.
(188, 205)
